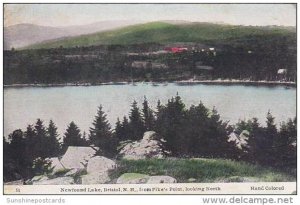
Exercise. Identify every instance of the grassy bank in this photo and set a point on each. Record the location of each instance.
(202, 170)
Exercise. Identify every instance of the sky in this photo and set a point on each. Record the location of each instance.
(80, 14)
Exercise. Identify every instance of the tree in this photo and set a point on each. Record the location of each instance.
(136, 124)
(41, 141)
(170, 124)
(18, 161)
(72, 137)
(53, 147)
(148, 116)
(119, 131)
(101, 135)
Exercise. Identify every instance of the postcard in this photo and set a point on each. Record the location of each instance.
(149, 99)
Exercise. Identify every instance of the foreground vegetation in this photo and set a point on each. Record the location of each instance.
(202, 170)
(194, 132)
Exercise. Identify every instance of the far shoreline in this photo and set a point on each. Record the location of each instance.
(157, 83)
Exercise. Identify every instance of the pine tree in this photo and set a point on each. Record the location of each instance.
(101, 135)
(30, 140)
(126, 129)
(136, 124)
(149, 120)
(19, 162)
(72, 137)
(41, 140)
(53, 147)
(119, 131)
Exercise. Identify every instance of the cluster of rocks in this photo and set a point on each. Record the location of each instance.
(240, 140)
(150, 146)
(79, 165)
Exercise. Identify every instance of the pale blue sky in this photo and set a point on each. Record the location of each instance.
(78, 14)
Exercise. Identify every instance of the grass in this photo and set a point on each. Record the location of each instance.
(161, 32)
(203, 170)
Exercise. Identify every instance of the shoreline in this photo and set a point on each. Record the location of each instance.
(156, 83)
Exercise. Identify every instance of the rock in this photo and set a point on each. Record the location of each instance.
(95, 178)
(191, 180)
(39, 178)
(240, 140)
(132, 178)
(56, 165)
(77, 157)
(149, 147)
(100, 164)
(75, 172)
(244, 136)
(150, 135)
(161, 179)
(17, 182)
(55, 181)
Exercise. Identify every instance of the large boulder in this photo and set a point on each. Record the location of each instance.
(77, 157)
(161, 180)
(148, 147)
(55, 181)
(95, 178)
(98, 170)
(100, 164)
(132, 178)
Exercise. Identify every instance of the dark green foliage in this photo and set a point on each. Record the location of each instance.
(136, 124)
(268, 146)
(24, 147)
(101, 135)
(53, 148)
(73, 137)
(148, 116)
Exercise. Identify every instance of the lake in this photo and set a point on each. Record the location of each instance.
(22, 106)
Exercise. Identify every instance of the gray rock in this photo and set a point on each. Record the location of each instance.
(55, 181)
(95, 178)
(149, 147)
(100, 164)
(161, 180)
(77, 157)
(75, 172)
(191, 180)
(150, 135)
(132, 178)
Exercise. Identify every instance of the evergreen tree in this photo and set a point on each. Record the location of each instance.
(126, 129)
(17, 158)
(101, 135)
(170, 124)
(53, 147)
(31, 141)
(41, 140)
(119, 130)
(149, 120)
(285, 145)
(72, 137)
(136, 124)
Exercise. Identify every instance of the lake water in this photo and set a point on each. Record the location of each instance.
(22, 106)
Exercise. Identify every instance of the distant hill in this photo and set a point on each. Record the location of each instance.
(22, 35)
(170, 32)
